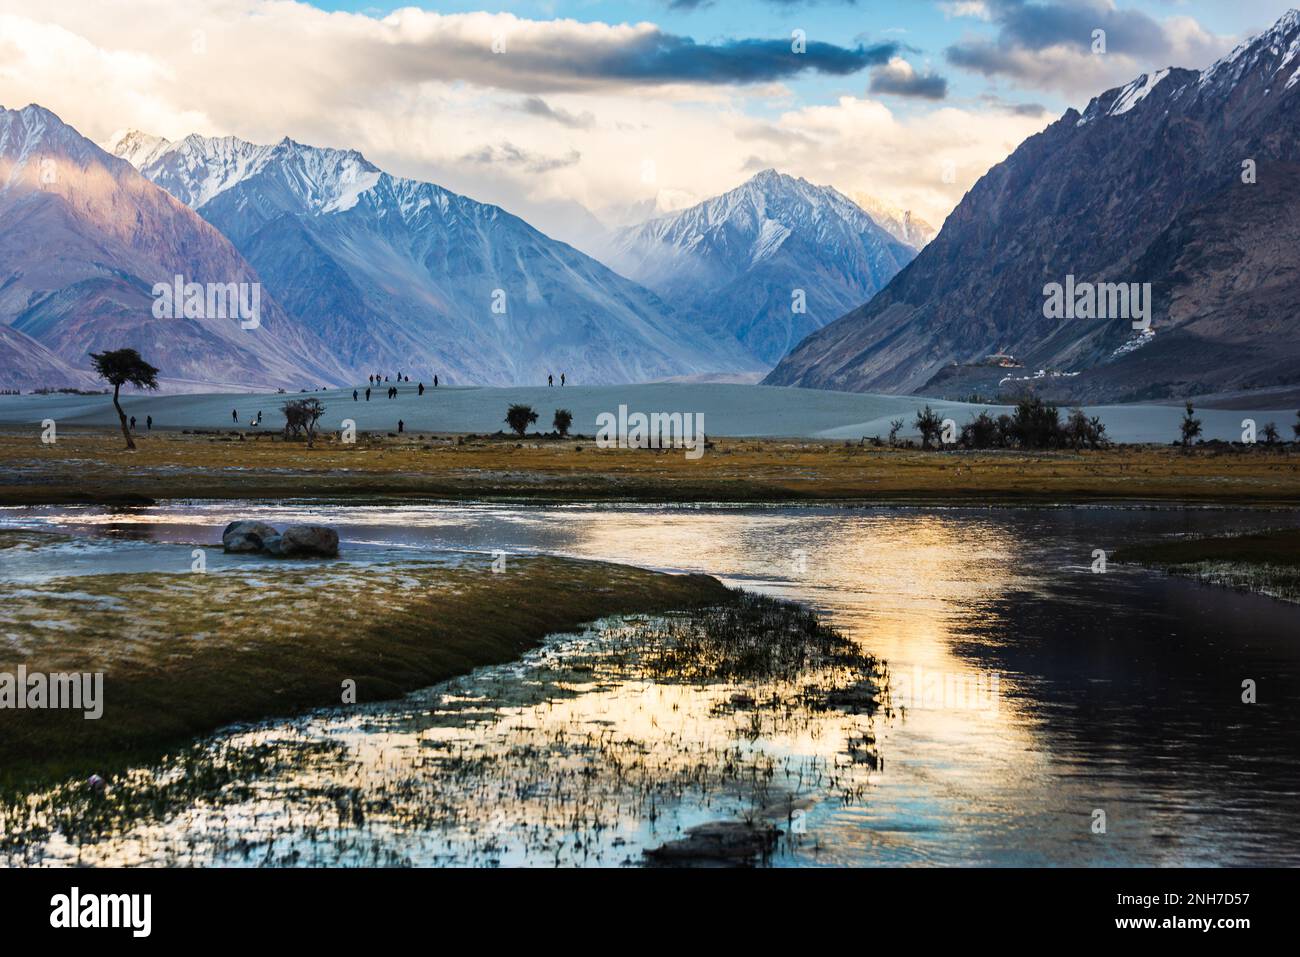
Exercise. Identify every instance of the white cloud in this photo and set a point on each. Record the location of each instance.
(966, 8)
(1052, 45)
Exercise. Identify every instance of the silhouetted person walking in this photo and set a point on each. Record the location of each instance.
(367, 395)
(421, 388)
(401, 426)
(435, 382)
(550, 379)
(132, 423)
(354, 395)
(148, 422)
(234, 414)
(561, 379)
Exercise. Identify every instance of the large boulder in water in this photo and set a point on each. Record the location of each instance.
(305, 541)
(246, 536)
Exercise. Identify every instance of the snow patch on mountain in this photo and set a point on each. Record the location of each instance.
(1137, 91)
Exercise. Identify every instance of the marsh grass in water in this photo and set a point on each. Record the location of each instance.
(752, 637)
(600, 747)
(1265, 563)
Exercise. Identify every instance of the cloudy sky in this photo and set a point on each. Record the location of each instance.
(557, 109)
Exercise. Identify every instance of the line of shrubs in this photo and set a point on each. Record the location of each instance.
(1034, 424)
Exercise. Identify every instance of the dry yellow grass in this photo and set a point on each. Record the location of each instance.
(93, 466)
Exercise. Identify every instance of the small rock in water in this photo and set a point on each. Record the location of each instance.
(718, 844)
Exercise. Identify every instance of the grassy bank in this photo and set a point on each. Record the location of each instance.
(93, 467)
(1266, 563)
(184, 654)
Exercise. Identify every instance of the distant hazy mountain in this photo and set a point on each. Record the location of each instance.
(899, 223)
(1148, 184)
(663, 203)
(740, 260)
(395, 274)
(83, 240)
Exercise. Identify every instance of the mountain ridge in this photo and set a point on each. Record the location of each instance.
(84, 241)
(1096, 195)
(421, 276)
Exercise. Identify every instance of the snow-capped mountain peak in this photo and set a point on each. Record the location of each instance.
(34, 131)
(1267, 62)
(1282, 40)
(768, 197)
(902, 224)
(743, 257)
(137, 148)
(198, 168)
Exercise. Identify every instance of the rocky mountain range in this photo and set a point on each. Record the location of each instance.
(1182, 179)
(400, 275)
(84, 239)
(359, 271)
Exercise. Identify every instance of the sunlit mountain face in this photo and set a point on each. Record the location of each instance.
(86, 240)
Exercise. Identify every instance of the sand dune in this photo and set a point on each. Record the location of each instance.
(729, 410)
